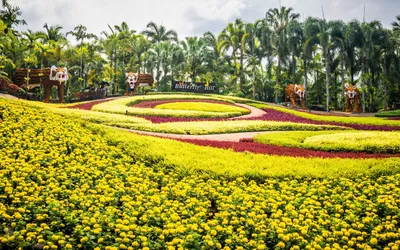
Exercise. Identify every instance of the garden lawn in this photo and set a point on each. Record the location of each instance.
(70, 184)
(391, 113)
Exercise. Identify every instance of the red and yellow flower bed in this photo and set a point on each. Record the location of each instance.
(69, 184)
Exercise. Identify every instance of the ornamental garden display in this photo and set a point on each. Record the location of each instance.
(295, 92)
(352, 98)
(135, 80)
(31, 79)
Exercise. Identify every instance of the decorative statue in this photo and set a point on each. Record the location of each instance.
(293, 92)
(49, 77)
(352, 98)
(135, 80)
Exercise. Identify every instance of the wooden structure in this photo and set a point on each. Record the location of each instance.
(49, 77)
(133, 81)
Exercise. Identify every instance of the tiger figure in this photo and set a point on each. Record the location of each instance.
(294, 92)
(352, 98)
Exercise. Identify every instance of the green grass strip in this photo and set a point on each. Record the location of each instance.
(329, 118)
(355, 141)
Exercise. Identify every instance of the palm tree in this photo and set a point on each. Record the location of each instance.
(310, 32)
(196, 55)
(327, 33)
(279, 19)
(396, 33)
(80, 33)
(110, 45)
(53, 33)
(228, 40)
(158, 33)
(9, 15)
(295, 44)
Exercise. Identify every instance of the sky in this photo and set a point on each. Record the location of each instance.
(189, 17)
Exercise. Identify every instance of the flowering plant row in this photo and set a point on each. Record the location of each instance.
(233, 126)
(355, 141)
(331, 118)
(202, 106)
(68, 184)
(152, 104)
(248, 145)
(122, 106)
(91, 116)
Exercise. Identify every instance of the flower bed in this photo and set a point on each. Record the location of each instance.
(200, 106)
(261, 148)
(279, 115)
(122, 106)
(68, 184)
(369, 121)
(88, 105)
(355, 141)
(152, 104)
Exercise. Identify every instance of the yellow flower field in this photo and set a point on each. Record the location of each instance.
(70, 184)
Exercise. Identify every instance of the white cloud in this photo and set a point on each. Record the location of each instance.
(190, 17)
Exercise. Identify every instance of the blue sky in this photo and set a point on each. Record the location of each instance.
(189, 17)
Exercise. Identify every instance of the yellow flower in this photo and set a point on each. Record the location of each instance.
(281, 244)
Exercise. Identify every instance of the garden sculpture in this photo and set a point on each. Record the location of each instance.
(294, 91)
(135, 80)
(49, 77)
(352, 98)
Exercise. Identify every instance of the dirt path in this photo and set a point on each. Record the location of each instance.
(7, 96)
(254, 112)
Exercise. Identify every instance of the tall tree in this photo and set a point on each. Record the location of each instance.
(158, 33)
(80, 33)
(279, 19)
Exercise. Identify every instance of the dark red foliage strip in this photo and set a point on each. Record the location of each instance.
(279, 116)
(152, 104)
(260, 148)
(88, 105)
(158, 119)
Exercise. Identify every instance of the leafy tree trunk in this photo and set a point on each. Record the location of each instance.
(81, 68)
(294, 67)
(335, 90)
(384, 81)
(241, 75)
(342, 78)
(328, 77)
(254, 83)
(234, 71)
(115, 69)
(278, 79)
(305, 80)
(363, 81)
